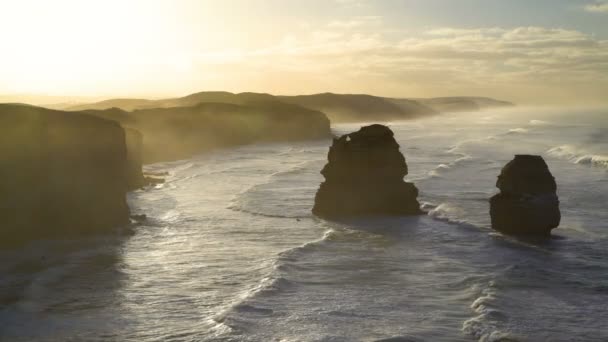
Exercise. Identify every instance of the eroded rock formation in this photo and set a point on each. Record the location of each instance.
(527, 203)
(364, 177)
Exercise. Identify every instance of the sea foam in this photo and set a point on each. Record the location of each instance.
(579, 156)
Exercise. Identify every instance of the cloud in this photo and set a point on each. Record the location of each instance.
(533, 50)
(356, 22)
(531, 60)
(351, 3)
(598, 7)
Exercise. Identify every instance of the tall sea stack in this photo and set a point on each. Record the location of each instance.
(364, 177)
(527, 203)
(61, 174)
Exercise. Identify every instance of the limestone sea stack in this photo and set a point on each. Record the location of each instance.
(527, 203)
(364, 177)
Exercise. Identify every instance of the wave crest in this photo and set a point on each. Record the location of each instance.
(483, 326)
(578, 156)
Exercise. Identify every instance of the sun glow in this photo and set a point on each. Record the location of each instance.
(166, 48)
(70, 45)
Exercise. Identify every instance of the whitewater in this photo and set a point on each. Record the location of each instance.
(231, 252)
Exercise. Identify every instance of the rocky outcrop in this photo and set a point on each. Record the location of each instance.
(527, 203)
(61, 174)
(364, 177)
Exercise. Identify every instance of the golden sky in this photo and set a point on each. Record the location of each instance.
(539, 52)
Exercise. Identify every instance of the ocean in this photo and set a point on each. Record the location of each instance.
(231, 251)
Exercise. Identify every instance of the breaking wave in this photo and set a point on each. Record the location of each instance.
(578, 156)
(483, 325)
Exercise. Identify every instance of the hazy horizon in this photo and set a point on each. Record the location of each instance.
(546, 52)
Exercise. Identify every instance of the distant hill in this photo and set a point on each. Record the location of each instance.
(338, 107)
(360, 107)
(48, 101)
(463, 103)
(413, 108)
(221, 97)
(125, 104)
(186, 101)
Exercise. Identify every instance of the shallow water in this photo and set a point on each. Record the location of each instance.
(231, 251)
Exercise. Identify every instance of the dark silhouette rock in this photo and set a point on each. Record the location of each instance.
(61, 174)
(364, 177)
(527, 203)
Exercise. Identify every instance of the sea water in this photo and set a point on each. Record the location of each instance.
(231, 251)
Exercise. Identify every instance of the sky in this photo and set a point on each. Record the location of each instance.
(526, 51)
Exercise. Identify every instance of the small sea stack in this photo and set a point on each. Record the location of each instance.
(364, 177)
(527, 203)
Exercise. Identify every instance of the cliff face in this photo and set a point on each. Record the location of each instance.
(67, 173)
(180, 132)
(61, 174)
(364, 177)
(527, 203)
(134, 144)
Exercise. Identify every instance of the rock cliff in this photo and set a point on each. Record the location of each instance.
(61, 174)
